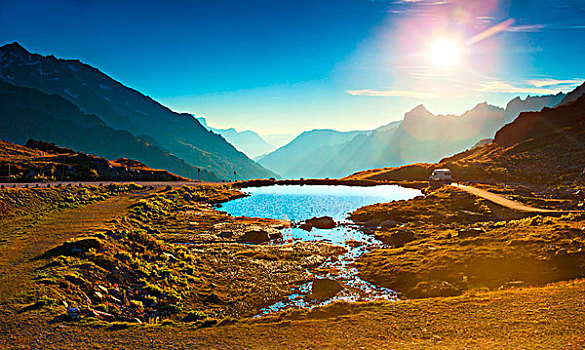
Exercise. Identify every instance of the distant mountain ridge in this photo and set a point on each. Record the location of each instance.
(538, 147)
(420, 137)
(307, 153)
(122, 108)
(247, 141)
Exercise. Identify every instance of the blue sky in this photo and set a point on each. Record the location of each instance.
(288, 66)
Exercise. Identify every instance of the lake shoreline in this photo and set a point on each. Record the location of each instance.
(330, 182)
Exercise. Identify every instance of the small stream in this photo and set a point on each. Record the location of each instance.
(298, 203)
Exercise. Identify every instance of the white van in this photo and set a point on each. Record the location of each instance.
(440, 175)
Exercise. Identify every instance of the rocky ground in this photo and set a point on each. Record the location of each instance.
(134, 267)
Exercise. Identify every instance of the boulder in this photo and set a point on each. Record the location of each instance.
(398, 238)
(324, 288)
(324, 222)
(386, 224)
(306, 226)
(254, 236)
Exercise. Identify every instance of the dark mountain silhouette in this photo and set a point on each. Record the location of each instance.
(530, 104)
(28, 113)
(574, 95)
(123, 108)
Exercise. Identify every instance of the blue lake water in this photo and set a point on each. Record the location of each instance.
(298, 203)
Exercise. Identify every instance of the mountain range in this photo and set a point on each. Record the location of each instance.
(306, 154)
(420, 137)
(547, 146)
(247, 141)
(160, 137)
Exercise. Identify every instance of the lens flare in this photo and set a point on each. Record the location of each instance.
(444, 53)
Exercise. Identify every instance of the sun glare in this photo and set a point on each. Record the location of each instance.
(444, 53)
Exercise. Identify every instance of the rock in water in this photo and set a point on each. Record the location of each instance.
(324, 288)
(255, 236)
(306, 226)
(324, 222)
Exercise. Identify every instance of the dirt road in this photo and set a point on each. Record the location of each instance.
(503, 201)
(17, 257)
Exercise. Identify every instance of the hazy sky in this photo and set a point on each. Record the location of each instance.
(286, 66)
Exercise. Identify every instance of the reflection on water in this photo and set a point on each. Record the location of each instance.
(297, 203)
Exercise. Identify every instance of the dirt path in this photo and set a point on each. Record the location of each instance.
(17, 257)
(503, 201)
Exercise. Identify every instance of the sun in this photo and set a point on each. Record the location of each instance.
(445, 53)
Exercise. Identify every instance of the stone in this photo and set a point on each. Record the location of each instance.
(306, 226)
(98, 295)
(73, 313)
(225, 234)
(213, 299)
(470, 232)
(324, 288)
(324, 222)
(170, 256)
(254, 236)
(386, 224)
(398, 238)
(275, 235)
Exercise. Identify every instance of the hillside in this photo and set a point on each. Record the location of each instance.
(122, 108)
(40, 161)
(28, 113)
(546, 147)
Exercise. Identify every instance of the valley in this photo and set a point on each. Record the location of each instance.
(357, 174)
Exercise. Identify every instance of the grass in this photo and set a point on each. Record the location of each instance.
(461, 243)
(204, 290)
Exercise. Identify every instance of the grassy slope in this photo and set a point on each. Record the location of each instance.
(461, 243)
(550, 317)
(49, 165)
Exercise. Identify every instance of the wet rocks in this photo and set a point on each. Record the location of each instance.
(323, 222)
(324, 288)
(306, 226)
